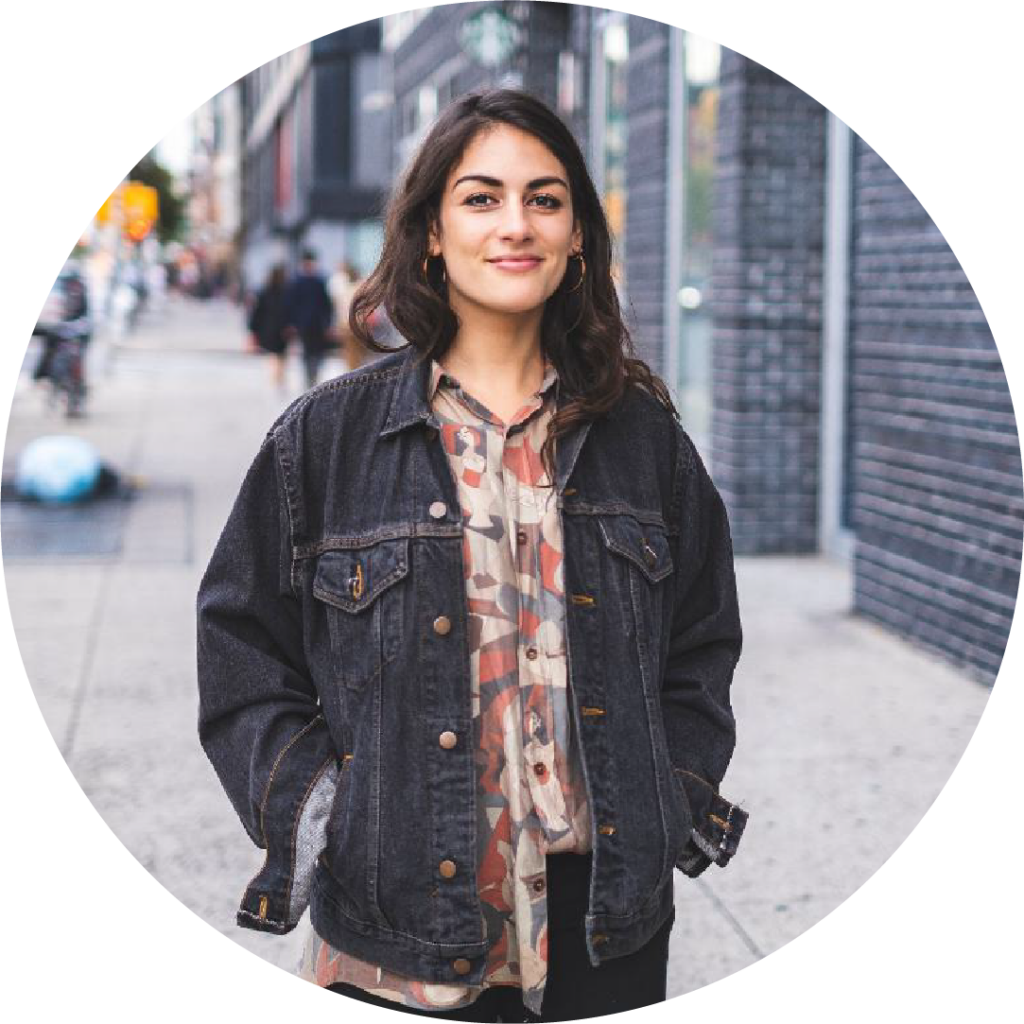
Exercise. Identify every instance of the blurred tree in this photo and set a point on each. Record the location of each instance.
(171, 221)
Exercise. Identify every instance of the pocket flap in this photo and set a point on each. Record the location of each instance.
(644, 544)
(353, 579)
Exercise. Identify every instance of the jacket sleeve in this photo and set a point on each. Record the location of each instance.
(259, 715)
(704, 646)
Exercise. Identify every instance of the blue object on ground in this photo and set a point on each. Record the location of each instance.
(57, 468)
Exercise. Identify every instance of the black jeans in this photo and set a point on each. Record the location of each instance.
(575, 988)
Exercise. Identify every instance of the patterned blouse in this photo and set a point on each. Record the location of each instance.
(531, 798)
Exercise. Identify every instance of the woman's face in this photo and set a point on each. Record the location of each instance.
(506, 224)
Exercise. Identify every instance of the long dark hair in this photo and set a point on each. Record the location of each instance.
(582, 331)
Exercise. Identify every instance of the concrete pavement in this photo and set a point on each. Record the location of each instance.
(846, 733)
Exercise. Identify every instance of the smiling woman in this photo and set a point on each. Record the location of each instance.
(467, 640)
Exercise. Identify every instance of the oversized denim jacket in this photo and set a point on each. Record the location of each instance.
(332, 655)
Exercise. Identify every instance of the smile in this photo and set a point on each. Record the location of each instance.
(518, 264)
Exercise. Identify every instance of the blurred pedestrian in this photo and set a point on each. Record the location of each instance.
(342, 287)
(268, 322)
(309, 314)
(65, 327)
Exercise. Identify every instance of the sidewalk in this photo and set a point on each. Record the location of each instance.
(846, 734)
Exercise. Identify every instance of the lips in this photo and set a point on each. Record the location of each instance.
(515, 262)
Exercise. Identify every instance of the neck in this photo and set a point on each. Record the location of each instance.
(491, 346)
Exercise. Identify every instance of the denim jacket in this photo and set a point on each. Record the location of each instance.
(333, 671)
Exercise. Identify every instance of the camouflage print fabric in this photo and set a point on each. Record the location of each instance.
(530, 794)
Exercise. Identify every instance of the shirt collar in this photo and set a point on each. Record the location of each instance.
(439, 377)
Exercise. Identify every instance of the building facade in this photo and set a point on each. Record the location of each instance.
(316, 153)
(856, 403)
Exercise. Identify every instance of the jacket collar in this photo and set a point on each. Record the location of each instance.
(410, 406)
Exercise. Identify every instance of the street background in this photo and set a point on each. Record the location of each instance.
(846, 732)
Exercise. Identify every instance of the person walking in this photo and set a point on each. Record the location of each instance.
(309, 314)
(268, 321)
(467, 640)
(342, 286)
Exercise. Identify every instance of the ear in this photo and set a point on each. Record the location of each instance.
(577, 238)
(434, 239)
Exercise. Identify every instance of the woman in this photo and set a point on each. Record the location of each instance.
(467, 640)
(267, 323)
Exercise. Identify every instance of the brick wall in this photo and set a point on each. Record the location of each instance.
(766, 304)
(935, 463)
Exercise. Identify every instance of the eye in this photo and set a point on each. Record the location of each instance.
(548, 202)
(473, 199)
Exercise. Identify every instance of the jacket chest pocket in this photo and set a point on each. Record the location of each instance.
(640, 556)
(362, 591)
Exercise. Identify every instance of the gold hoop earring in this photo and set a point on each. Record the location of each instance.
(583, 271)
(426, 275)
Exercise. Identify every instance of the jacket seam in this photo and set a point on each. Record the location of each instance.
(273, 772)
(285, 468)
(710, 785)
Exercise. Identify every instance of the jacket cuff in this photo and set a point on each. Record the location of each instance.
(277, 897)
(718, 825)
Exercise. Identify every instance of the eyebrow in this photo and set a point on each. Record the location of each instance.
(498, 183)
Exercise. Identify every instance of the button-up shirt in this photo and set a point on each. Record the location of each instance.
(531, 798)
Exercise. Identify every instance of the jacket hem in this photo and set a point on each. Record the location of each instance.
(386, 947)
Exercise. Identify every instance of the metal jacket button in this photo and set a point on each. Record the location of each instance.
(447, 739)
(442, 625)
(438, 509)
(461, 966)
(447, 868)
(650, 555)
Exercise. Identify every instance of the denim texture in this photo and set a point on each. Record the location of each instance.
(326, 671)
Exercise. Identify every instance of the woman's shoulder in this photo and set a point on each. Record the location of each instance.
(354, 393)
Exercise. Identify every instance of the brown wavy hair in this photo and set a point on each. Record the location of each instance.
(582, 331)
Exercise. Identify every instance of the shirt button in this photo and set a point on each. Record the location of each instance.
(461, 966)
(447, 868)
(520, 536)
(539, 769)
(438, 509)
(531, 653)
(442, 625)
(447, 739)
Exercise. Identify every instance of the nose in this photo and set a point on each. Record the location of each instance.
(515, 225)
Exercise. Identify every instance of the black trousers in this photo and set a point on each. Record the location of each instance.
(575, 989)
